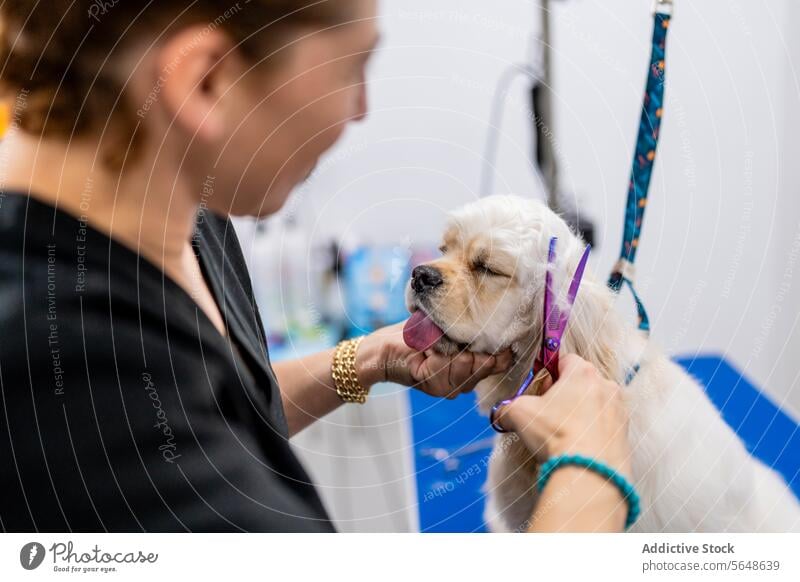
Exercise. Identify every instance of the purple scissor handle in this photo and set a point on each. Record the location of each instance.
(555, 322)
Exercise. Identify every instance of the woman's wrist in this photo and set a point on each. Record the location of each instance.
(371, 366)
(617, 460)
(579, 500)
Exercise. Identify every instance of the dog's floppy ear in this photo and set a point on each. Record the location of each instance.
(591, 332)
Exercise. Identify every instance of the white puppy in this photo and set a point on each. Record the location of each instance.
(487, 292)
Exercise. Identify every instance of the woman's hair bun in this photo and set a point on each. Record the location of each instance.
(43, 49)
(57, 56)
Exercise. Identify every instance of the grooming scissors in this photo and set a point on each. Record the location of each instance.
(554, 322)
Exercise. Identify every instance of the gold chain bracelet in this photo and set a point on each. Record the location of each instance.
(343, 370)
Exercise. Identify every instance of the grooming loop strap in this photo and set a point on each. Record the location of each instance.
(644, 159)
(624, 273)
(663, 7)
(626, 269)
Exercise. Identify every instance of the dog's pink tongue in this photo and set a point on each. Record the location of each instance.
(420, 333)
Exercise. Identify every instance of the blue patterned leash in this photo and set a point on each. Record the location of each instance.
(642, 171)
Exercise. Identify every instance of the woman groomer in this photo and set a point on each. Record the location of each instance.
(136, 390)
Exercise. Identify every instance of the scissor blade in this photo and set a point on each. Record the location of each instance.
(578, 277)
(549, 293)
(554, 318)
(526, 383)
(551, 312)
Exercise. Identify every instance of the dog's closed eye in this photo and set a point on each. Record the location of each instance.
(482, 268)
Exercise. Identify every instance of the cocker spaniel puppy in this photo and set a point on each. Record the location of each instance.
(485, 293)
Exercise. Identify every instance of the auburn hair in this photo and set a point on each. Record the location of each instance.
(57, 57)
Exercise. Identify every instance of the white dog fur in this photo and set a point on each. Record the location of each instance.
(690, 469)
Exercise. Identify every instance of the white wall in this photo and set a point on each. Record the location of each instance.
(715, 263)
(786, 340)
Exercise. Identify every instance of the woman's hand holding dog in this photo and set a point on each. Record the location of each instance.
(309, 393)
(385, 357)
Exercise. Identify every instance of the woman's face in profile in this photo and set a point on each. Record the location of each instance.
(286, 117)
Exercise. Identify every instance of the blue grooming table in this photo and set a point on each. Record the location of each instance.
(453, 443)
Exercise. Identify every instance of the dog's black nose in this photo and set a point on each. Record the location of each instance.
(425, 278)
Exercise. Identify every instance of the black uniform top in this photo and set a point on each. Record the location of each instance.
(122, 408)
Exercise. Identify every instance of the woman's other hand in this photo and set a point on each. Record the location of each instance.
(582, 413)
(385, 357)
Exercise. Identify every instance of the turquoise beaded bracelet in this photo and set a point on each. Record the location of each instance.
(624, 486)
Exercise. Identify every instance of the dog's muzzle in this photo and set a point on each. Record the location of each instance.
(425, 279)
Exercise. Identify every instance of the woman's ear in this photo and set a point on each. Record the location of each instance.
(196, 67)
